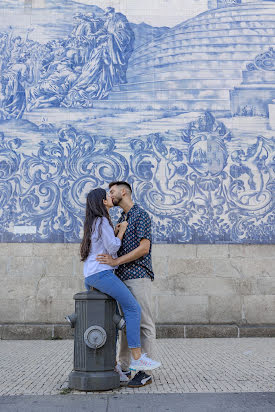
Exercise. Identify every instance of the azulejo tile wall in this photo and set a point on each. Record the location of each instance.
(185, 113)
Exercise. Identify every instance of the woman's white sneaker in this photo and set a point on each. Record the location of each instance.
(122, 376)
(144, 363)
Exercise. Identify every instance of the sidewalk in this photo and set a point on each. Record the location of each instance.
(189, 366)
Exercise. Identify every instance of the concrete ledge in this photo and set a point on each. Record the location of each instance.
(63, 332)
(170, 331)
(257, 331)
(35, 331)
(164, 331)
(212, 331)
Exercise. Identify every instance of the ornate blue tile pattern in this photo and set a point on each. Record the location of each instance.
(184, 114)
(196, 196)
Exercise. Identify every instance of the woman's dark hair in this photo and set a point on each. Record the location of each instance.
(94, 209)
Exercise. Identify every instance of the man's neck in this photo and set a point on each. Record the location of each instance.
(126, 205)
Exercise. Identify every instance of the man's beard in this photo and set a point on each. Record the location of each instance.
(116, 201)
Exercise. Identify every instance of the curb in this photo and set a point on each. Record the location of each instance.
(26, 331)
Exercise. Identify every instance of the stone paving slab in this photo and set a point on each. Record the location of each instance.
(153, 402)
(189, 366)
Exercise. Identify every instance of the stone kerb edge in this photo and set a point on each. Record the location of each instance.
(164, 331)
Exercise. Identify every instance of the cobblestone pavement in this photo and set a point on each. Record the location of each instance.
(189, 366)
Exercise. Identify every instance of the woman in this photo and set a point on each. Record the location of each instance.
(99, 238)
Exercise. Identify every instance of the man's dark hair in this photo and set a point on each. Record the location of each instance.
(120, 183)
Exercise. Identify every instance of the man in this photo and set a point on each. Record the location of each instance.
(135, 270)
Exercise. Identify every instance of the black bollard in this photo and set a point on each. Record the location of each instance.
(95, 321)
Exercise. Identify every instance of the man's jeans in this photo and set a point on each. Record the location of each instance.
(141, 289)
(107, 282)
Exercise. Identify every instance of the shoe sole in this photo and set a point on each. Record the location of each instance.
(142, 368)
(124, 384)
(124, 381)
(139, 386)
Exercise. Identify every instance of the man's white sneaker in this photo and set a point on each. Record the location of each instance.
(144, 364)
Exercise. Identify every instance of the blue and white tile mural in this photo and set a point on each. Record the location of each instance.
(177, 98)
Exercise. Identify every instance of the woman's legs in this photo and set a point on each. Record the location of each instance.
(107, 282)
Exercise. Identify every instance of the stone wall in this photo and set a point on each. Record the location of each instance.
(204, 285)
(216, 284)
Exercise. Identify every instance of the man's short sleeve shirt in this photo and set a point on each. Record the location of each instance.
(139, 227)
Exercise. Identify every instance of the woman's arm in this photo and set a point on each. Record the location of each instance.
(110, 241)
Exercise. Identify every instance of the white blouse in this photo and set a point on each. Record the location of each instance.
(107, 243)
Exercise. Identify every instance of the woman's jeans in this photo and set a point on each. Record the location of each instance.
(107, 282)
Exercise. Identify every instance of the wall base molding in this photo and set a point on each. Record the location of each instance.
(28, 331)
(214, 331)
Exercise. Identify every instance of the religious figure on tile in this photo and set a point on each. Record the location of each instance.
(54, 85)
(14, 81)
(72, 71)
(107, 63)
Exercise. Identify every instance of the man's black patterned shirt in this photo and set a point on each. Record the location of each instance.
(139, 227)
